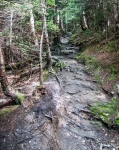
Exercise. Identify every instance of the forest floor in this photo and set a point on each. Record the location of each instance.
(59, 119)
(102, 59)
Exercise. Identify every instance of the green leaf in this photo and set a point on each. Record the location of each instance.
(50, 2)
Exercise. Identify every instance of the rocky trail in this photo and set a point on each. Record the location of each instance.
(60, 119)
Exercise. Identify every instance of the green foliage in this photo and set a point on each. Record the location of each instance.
(38, 25)
(52, 28)
(113, 69)
(7, 110)
(71, 40)
(107, 112)
(63, 64)
(97, 76)
(50, 2)
(5, 32)
(20, 96)
(24, 46)
(112, 77)
(89, 60)
(5, 4)
(59, 65)
(97, 36)
(25, 19)
(45, 74)
(112, 46)
(100, 19)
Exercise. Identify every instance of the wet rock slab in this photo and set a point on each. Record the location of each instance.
(61, 120)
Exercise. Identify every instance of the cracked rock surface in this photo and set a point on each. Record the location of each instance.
(60, 120)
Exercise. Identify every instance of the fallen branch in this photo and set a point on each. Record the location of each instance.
(19, 64)
(28, 73)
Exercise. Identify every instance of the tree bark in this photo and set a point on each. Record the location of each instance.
(11, 24)
(40, 59)
(56, 20)
(85, 20)
(48, 52)
(116, 16)
(4, 82)
(33, 28)
(62, 25)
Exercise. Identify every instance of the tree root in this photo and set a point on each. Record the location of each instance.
(5, 102)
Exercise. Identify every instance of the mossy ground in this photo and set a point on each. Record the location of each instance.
(107, 112)
(4, 112)
(102, 61)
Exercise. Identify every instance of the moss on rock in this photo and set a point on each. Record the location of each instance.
(20, 96)
(107, 112)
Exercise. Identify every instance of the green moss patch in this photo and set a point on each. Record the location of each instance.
(7, 110)
(20, 96)
(107, 112)
(45, 74)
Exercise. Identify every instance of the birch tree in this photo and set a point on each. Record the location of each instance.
(40, 59)
(11, 23)
(33, 27)
(46, 39)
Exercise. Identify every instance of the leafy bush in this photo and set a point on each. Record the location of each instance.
(52, 28)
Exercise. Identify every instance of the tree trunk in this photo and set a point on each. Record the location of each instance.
(116, 16)
(56, 20)
(66, 22)
(4, 82)
(33, 28)
(85, 20)
(11, 23)
(62, 25)
(48, 52)
(40, 59)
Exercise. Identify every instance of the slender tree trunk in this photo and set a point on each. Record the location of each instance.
(62, 24)
(40, 59)
(115, 15)
(11, 24)
(116, 21)
(33, 28)
(4, 82)
(11, 34)
(48, 52)
(85, 20)
(56, 20)
(66, 22)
